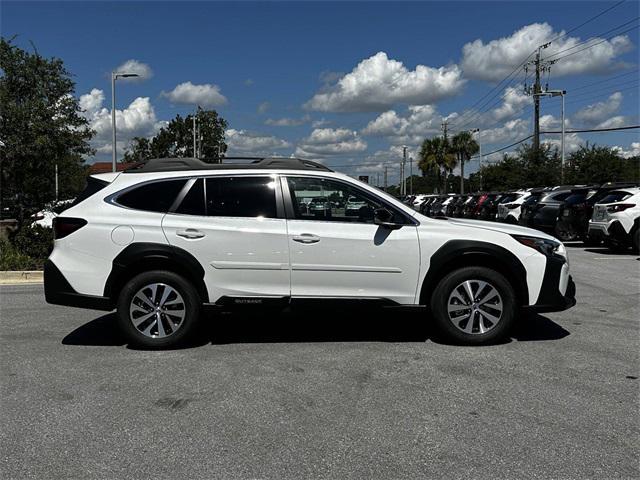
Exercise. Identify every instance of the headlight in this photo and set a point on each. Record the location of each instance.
(546, 247)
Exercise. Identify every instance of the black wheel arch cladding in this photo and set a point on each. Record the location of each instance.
(456, 254)
(140, 257)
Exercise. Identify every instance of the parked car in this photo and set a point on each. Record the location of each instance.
(489, 207)
(545, 212)
(510, 206)
(425, 207)
(615, 219)
(577, 210)
(529, 205)
(159, 241)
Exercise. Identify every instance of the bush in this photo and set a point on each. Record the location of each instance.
(12, 259)
(34, 241)
(27, 249)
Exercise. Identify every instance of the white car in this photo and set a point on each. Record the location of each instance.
(158, 242)
(616, 219)
(509, 208)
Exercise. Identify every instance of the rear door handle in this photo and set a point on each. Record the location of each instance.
(306, 238)
(190, 233)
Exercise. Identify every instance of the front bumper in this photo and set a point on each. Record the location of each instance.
(58, 291)
(558, 291)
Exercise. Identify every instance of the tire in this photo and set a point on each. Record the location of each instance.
(451, 290)
(176, 324)
(591, 242)
(635, 240)
(565, 233)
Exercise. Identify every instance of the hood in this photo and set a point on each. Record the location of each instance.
(501, 227)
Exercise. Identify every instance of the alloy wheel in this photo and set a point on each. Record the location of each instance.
(157, 310)
(475, 307)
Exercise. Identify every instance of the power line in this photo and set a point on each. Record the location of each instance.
(588, 21)
(593, 44)
(605, 80)
(470, 115)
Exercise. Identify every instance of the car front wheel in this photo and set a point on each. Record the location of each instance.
(474, 306)
(158, 309)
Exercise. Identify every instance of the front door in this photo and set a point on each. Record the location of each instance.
(231, 225)
(337, 250)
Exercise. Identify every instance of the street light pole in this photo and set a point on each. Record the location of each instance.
(114, 77)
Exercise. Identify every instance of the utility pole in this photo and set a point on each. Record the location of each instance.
(445, 125)
(403, 183)
(385, 178)
(540, 66)
(56, 182)
(378, 179)
(410, 175)
(195, 155)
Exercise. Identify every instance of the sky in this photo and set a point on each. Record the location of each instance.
(346, 83)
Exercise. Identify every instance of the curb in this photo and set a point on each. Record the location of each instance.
(17, 277)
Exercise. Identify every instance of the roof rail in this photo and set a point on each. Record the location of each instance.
(233, 163)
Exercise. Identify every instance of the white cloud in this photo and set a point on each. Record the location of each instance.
(514, 101)
(288, 122)
(497, 59)
(263, 107)
(510, 131)
(633, 151)
(91, 102)
(137, 120)
(244, 142)
(411, 129)
(599, 112)
(378, 82)
(329, 141)
(248, 82)
(205, 95)
(320, 123)
(572, 142)
(134, 66)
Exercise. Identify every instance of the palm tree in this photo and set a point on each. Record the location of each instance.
(435, 153)
(464, 146)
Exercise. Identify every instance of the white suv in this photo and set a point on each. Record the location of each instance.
(158, 242)
(616, 219)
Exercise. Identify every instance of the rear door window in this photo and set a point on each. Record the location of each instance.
(152, 197)
(241, 197)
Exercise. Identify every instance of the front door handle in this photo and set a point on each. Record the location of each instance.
(190, 233)
(306, 238)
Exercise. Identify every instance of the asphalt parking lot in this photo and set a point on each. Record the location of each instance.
(328, 395)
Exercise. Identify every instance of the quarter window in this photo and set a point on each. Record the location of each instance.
(152, 197)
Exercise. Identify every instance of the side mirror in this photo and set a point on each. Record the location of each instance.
(384, 218)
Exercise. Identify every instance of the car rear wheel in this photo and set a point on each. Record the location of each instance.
(158, 309)
(474, 306)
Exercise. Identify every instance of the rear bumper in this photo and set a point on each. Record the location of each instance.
(58, 291)
(554, 295)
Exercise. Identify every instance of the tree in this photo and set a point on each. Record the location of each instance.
(176, 139)
(40, 127)
(435, 154)
(464, 146)
(594, 164)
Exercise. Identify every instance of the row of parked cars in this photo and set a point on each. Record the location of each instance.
(594, 214)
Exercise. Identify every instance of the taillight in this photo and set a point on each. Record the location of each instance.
(63, 226)
(619, 207)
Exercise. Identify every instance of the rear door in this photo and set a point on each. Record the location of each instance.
(340, 252)
(235, 227)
